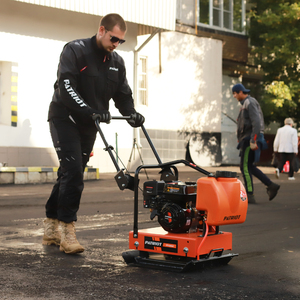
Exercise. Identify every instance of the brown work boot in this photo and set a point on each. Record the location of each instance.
(69, 243)
(51, 233)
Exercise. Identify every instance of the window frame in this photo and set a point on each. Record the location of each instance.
(221, 11)
(145, 74)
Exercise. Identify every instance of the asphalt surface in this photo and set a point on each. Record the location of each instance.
(268, 244)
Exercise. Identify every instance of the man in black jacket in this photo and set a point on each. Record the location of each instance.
(89, 74)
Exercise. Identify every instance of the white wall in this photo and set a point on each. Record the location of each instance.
(5, 92)
(37, 63)
(187, 94)
(154, 13)
(33, 37)
(230, 110)
(37, 67)
(187, 11)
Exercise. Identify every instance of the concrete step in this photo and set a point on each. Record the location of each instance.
(25, 175)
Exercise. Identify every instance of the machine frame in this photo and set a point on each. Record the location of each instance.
(157, 248)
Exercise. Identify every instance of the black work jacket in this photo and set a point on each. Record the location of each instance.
(87, 78)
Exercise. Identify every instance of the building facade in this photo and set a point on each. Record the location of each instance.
(32, 35)
(190, 75)
(182, 58)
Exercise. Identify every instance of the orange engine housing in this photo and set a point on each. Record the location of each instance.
(224, 200)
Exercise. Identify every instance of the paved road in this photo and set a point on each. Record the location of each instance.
(268, 244)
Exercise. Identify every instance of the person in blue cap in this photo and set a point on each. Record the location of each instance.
(250, 130)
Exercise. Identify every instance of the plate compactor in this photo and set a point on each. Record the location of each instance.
(189, 214)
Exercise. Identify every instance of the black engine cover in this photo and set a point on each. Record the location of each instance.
(174, 218)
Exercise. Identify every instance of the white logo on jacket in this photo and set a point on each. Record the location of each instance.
(73, 94)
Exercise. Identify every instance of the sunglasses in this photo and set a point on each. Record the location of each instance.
(115, 39)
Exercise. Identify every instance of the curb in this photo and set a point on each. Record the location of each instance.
(24, 175)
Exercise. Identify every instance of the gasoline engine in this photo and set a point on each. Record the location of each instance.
(174, 203)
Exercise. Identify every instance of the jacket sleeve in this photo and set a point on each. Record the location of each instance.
(295, 141)
(68, 76)
(254, 116)
(123, 97)
(276, 141)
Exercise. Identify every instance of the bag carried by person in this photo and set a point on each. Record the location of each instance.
(262, 145)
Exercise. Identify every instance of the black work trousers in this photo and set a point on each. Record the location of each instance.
(73, 145)
(283, 158)
(249, 169)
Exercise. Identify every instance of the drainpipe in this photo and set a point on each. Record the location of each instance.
(196, 17)
(136, 56)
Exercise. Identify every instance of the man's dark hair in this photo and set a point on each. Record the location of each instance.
(111, 20)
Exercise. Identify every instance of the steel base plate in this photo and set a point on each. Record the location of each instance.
(174, 263)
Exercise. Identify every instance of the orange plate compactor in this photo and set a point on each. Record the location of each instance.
(189, 214)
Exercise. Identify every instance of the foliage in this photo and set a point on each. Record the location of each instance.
(277, 103)
(274, 33)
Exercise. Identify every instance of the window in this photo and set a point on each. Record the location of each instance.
(204, 12)
(142, 81)
(238, 16)
(227, 14)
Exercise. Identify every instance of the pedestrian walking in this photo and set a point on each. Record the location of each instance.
(286, 145)
(90, 73)
(250, 134)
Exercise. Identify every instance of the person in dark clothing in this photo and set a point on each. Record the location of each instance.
(89, 74)
(250, 129)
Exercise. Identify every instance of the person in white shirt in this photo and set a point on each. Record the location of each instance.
(286, 144)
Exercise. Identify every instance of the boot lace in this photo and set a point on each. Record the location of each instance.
(70, 236)
(51, 227)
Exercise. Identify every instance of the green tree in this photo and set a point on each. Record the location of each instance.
(275, 39)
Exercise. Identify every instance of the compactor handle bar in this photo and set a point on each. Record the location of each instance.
(109, 147)
(127, 181)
